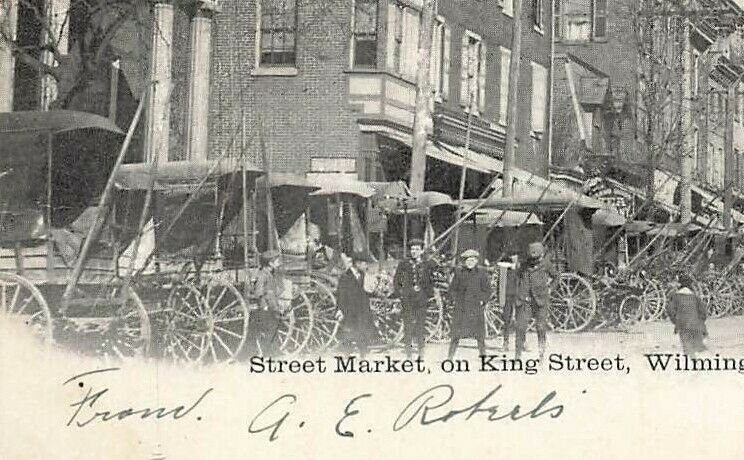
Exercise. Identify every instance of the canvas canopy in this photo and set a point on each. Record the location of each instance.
(136, 176)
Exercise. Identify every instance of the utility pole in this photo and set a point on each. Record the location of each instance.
(422, 123)
(729, 168)
(512, 112)
(686, 155)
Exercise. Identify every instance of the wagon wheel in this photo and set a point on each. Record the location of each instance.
(573, 303)
(434, 314)
(296, 325)
(325, 319)
(653, 302)
(186, 324)
(629, 310)
(494, 317)
(228, 320)
(20, 298)
(738, 305)
(718, 295)
(388, 319)
(128, 333)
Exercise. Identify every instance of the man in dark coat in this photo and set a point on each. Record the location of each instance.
(414, 285)
(470, 289)
(535, 277)
(357, 323)
(267, 288)
(688, 313)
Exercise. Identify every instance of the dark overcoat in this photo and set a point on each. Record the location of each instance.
(358, 322)
(687, 312)
(534, 282)
(470, 290)
(404, 278)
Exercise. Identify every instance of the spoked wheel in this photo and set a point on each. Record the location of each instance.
(434, 313)
(128, 332)
(297, 325)
(185, 325)
(719, 296)
(653, 302)
(228, 320)
(573, 303)
(388, 319)
(21, 299)
(630, 308)
(325, 320)
(494, 317)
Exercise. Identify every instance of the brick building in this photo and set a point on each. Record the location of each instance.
(328, 86)
(645, 95)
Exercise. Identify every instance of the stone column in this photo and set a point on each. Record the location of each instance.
(197, 118)
(58, 37)
(157, 129)
(8, 25)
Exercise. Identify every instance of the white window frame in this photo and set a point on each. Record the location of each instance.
(268, 69)
(504, 64)
(402, 56)
(479, 102)
(352, 41)
(538, 107)
(440, 59)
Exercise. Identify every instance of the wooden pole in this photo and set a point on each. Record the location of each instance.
(48, 216)
(246, 264)
(729, 168)
(512, 109)
(103, 205)
(422, 115)
(464, 170)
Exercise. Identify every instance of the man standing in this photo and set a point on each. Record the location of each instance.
(267, 289)
(470, 289)
(535, 277)
(414, 285)
(357, 321)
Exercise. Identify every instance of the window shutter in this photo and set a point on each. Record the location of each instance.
(392, 26)
(539, 89)
(435, 66)
(482, 72)
(600, 19)
(504, 84)
(410, 42)
(557, 20)
(464, 71)
(446, 61)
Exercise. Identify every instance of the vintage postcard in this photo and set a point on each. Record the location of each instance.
(340, 229)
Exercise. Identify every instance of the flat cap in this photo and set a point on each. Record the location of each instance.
(469, 253)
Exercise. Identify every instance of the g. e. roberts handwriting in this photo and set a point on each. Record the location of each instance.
(85, 410)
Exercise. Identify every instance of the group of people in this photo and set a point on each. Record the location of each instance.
(527, 296)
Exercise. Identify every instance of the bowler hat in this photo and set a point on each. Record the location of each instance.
(268, 256)
(469, 253)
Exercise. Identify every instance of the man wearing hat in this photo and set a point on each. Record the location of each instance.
(535, 277)
(267, 288)
(470, 289)
(357, 321)
(414, 285)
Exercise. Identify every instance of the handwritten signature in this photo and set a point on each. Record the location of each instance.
(434, 405)
(86, 409)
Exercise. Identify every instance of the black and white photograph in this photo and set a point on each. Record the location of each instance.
(334, 229)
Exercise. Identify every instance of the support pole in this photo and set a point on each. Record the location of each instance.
(512, 109)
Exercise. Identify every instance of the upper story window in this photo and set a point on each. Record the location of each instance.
(403, 34)
(581, 20)
(537, 14)
(365, 34)
(440, 60)
(539, 98)
(278, 37)
(504, 85)
(473, 73)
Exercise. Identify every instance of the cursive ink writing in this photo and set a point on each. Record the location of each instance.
(272, 423)
(348, 413)
(85, 409)
(432, 406)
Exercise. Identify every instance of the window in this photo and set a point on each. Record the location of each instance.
(504, 85)
(508, 7)
(440, 60)
(473, 73)
(402, 44)
(580, 20)
(278, 26)
(539, 97)
(537, 13)
(365, 33)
